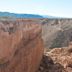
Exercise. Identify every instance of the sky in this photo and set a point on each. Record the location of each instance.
(60, 8)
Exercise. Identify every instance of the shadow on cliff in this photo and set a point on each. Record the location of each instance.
(47, 65)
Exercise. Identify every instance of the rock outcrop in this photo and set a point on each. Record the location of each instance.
(57, 60)
(21, 46)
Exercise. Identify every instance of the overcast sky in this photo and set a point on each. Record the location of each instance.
(62, 8)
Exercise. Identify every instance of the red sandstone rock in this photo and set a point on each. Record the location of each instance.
(21, 46)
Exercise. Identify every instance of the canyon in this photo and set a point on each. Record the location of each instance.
(36, 45)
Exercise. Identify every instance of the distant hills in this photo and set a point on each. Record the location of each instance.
(15, 15)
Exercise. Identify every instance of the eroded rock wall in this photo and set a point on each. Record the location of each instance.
(21, 46)
(57, 32)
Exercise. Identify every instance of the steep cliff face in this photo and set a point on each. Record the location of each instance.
(21, 46)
